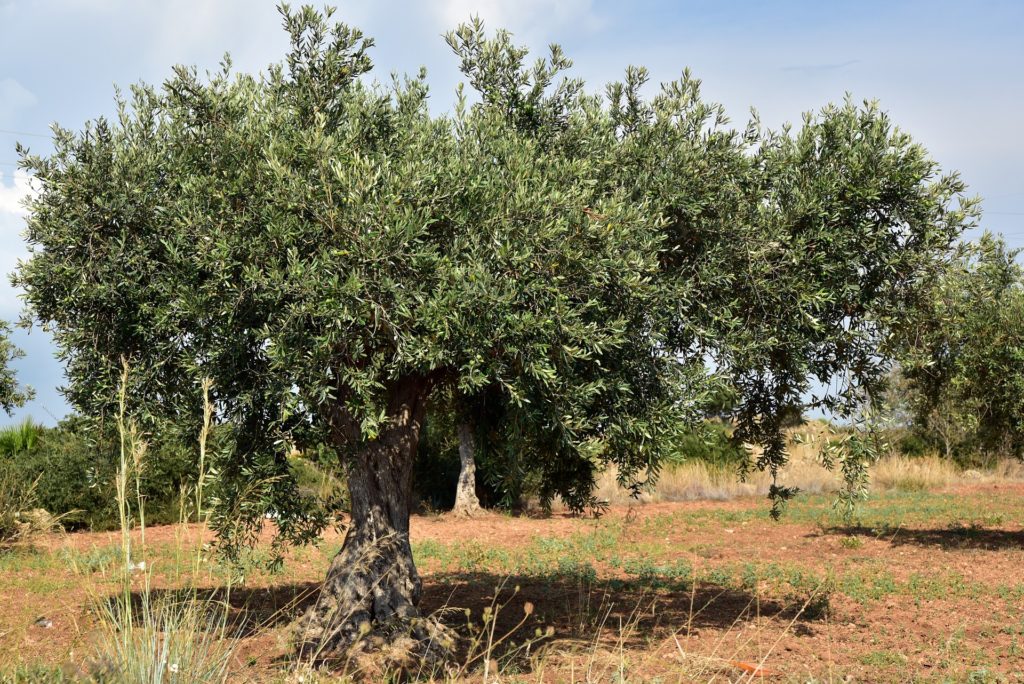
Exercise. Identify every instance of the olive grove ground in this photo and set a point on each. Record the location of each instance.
(923, 585)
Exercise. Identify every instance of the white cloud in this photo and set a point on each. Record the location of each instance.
(14, 188)
(13, 98)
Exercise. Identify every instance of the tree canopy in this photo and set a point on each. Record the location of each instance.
(330, 253)
(963, 362)
(12, 394)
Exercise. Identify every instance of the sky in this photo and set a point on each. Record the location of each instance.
(949, 73)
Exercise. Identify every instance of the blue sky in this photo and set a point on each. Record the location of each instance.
(950, 73)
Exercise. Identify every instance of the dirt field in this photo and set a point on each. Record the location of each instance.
(922, 586)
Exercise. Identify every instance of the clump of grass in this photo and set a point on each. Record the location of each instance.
(851, 542)
(15, 499)
(150, 637)
(20, 518)
(164, 641)
(36, 673)
(16, 439)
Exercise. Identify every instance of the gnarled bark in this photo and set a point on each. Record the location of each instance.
(466, 501)
(372, 589)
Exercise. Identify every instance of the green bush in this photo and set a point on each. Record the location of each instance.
(710, 443)
(74, 467)
(16, 497)
(913, 443)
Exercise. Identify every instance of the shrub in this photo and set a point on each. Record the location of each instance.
(711, 444)
(913, 443)
(73, 467)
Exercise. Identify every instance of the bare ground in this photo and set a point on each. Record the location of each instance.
(919, 586)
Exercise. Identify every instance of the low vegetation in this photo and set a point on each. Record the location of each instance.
(72, 469)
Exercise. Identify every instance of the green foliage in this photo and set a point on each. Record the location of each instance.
(73, 469)
(12, 395)
(710, 442)
(35, 673)
(74, 477)
(963, 364)
(318, 245)
(852, 217)
(16, 498)
(16, 439)
(910, 442)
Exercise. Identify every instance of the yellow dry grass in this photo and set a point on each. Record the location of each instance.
(697, 480)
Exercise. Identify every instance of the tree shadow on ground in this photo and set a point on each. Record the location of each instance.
(967, 537)
(250, 610)
(577, 609)
(627, 612)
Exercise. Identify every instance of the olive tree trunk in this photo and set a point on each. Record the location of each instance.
(466, 501)
(372, 589)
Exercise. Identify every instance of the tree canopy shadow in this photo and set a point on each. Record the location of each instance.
(967, 537)
(579, 607)
(250, 610)
(568, 609)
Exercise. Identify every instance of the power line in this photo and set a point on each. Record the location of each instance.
(31, 135)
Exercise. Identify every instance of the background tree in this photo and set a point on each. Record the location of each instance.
(333, 256)
(12, 395)
(963, 365)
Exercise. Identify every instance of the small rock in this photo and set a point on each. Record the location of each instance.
(43, 622)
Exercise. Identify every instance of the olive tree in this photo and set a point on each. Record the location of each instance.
(962, 365)
(12, 395)
(790, 259)
(331, 255)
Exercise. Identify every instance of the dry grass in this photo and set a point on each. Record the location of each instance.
(914, 474)
(697, 480)
(144, 636)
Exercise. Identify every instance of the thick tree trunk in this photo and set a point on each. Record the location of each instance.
(372, 589)
(466, 501)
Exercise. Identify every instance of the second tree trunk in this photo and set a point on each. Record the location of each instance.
(466, 501)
